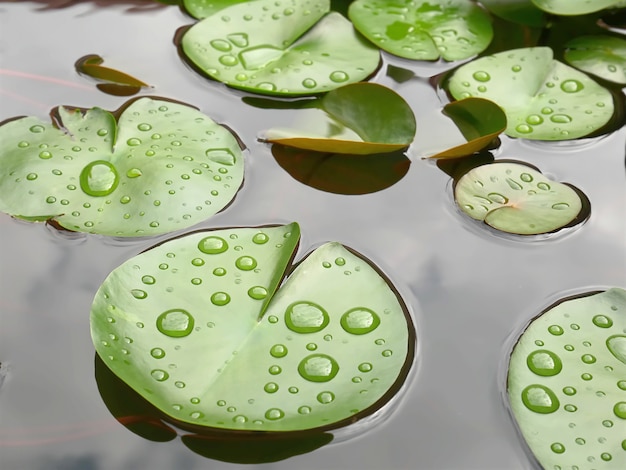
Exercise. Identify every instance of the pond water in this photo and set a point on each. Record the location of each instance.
(470, 292)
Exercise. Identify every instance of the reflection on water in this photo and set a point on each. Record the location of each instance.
(466, 290)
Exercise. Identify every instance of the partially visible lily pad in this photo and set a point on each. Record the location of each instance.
(574, 7)
(162, 166)
(567, 382)
(516, 198)
(424, 30)
(202, 8)
(517, 11)
(280, 48)
(361, 118)
(332, 345)
(479, 120)
(602, 56)
(543, 98)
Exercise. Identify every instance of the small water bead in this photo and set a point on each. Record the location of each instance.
(580, 441)
(326, 264)
(543, 186)
(278, 350)
(139, 294)
(219, 272)
(304, 410)
(359, 321)
(616, 344)
(524, 129)
(220, 299)
(293, 390)
(620, 409)
(588, 358)
(555, 330)
(516, 68)
(534, 120)
(365, 367)
(560, 206)
(311, 346)
(272, 319)
(57, 172)
(212, 245)
(328, 337)
(602, 321)
(197, 262)
(228, 60)
(544, 363)
(570, 408)
(306, 317)
(240, 419)
(246, 263)
(148, 280)
(560, 118)
(31, 176)
(309, 83)
(260, 238)
(175, 323)
(586, 376)
(497, 198)
(338, 76)
(159, 375)
(624, 444)
(621, 385)
(387, 353)
(557, 448)
(275, 370)
(179, 384)
(37, 129)
(574, 326)
(274, 414)
(241, 77)
(540, 399)
(325, 397)
(157, 353)
(257, 292)
(571, 86)
(481, 76)
(271, 387)
(318, 368)
(568, 347)
(607, 423)
(606, 456)
(482, 88)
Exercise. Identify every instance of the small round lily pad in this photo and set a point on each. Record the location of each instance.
(198, 327)
(161, 167)
(601, 55)
(516, 198)
(566, 383)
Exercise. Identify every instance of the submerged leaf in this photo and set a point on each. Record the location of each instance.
(361, 118)
(424, 30)
(516, 11)
(163, 166)
(543, 98)
(479, 120)
(567, 382)
(602, 56)
(280, 48)
(332, 345)
(91, 65)
(574, 7)
(515, 198)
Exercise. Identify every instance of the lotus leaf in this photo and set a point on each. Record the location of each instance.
(567, 383)
(163, 166)
(197, 327)
(295, 48)
(574, 7)
(361, 118)
(424, 30)
(515, 198)
(202, 8)
(543, 98)
(516, 11)
(479, 120)
(602, 56)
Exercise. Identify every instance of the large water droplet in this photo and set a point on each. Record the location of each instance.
(620, 409)
(602, 321)
(617, 346)
(238, 39)
(139, 294)
(540, 399)
(271, 387)
(325, 397)
(260, 238)
(318, 368)
(274, 414)
(99, 178)
(159, 375)
(339, 76)
(220, 299)
(278, 350)
(481, 76)
(571, 86)
(213, 245)
(555, 330)
(257, 292)
(222, 156)
(175, 323)
(359, 321)
(557, 448)
(497, 198)
(157, 353)
(544, 363)
(306, 317)
(246, 263)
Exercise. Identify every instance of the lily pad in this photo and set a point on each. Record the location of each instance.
(567, 382)
(515, 198)
(602, 56)
(479, 120)
(516, 11)
(332, 345)
(202, 8)
(543, 98)
(280, 48)
(163, 166)
(361, 118)
(424, 30)
(574, 7)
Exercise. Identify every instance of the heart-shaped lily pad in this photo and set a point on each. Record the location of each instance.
(361, 118)
(424, 30)
(574, 7)
(603, 56)
(515, 198)
(543, 98)
(567, 383)
(280, 48)
(162, 167)
(193, 325)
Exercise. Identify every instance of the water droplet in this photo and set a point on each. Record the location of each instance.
(274, 414)
(318, 368)
(602, 321)
(221, 45)
(359, 321)
(221, 403)
(328, 337)
(99, 178)
(544, 363)
(144, 126)
(557, 448)
(569, 391)
(306, 317)
(588, 358)
(31, 176)
(148, 280)
(309, 83)
(197, 262)
(37, 129)
(523, 129)
(543, 186)
(260, 238)
(516, 68)
(534, 120)
(213, 245)
(570, 408)
(157, 353)
(228, 60)
(241, 77)
(571, 86)
(621, 384)
(560, 206)
(586, 376)
(481, 76)
(365, 367)
(497, 198)
(271, 387)
(482, 88)
(139, 294)
(560, 118)
(607, 423)
(620, 409)
(304, 410)
(514, 184)
(220, 299)
(272, 319)
(240, 419)
(275, 370)
(222, 156)
(246, 263)
(267, 86)
(339, 76)
(175, 323)
(617, 345)
(580, 441)
(325, 397)
(179, 384)
(159, 375)
(540, 399)
(278, 350)
(606, 456)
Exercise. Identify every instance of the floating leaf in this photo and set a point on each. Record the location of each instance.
(424, 30)
(516, 11)
(202, 8)
(280, 48)
(332, 345)
(479, 120)
(162, 167)
(116, 82)
(543, 98)
(361, 118)
(515, 198)
(603, 56)
(574, 7)
(567, 382)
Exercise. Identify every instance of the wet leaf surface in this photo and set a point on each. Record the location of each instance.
(574, 7)
(602, 56)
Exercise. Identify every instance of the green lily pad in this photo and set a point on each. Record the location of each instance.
(163, 166)
(361, 118)
(543, 98)
(602, 56)
(424, 30)
(280, 48)
(515, 198)
(516, 11)
(202, 8)
(332, 345)
(479, 120)
(574, 7)
(567, 383)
